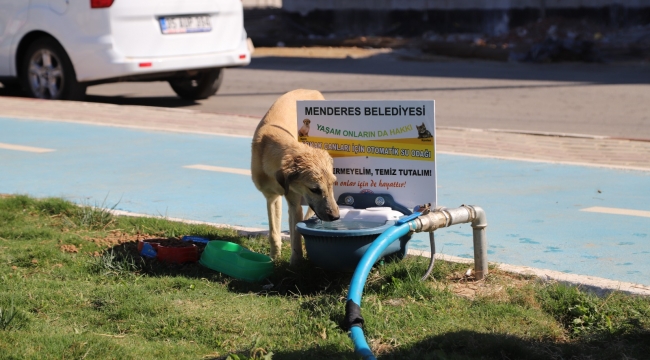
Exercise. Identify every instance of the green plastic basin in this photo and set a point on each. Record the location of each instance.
(236, 261)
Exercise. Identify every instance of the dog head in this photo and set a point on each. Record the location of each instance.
(306, 122)
(309, 173)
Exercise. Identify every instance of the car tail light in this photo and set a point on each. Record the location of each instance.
(98, 4)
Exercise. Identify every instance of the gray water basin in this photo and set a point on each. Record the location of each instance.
(339, 245)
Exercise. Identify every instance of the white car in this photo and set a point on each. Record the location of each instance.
(54, 49)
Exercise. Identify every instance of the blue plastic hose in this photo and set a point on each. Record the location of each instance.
(361, 275)
(360, 345)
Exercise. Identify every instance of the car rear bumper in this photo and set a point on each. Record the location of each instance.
(100, 62)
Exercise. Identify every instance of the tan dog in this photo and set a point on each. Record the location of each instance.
(304, 130)
(281, 165)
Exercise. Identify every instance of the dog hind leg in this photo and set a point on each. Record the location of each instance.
(274, 209)
(295, 216)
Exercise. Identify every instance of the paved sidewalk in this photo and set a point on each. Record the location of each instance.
(558, 148)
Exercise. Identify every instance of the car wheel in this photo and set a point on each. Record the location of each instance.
(47, 72)
(200, 86)
(11, 88)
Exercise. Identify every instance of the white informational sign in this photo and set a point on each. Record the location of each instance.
(383, 147)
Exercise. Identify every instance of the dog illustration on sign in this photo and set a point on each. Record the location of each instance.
(304, 130)
(423, 133)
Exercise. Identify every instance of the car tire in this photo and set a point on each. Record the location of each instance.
(11, 88)
(47, 72)
(200, 86)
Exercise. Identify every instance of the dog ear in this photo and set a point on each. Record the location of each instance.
(282, 180)
(285, 179)
(289, 170)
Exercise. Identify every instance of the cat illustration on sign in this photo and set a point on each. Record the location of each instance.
(423, 133)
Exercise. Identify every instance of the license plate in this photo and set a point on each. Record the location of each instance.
(185, 24)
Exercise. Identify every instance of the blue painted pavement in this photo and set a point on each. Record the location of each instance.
(533, 208)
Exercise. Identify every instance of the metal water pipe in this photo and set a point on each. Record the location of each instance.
(444, 217)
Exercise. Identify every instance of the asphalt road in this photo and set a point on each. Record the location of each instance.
(594, 99)
(574, 98)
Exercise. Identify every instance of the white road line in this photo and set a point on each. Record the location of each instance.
(617, 211)
(24, 148)
(219, 169)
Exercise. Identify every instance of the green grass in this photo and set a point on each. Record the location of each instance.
(105, 302)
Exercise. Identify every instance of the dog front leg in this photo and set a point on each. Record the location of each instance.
(274, 210)
(295, 216)
(309, 213)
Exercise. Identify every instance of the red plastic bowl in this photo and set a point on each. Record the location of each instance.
(153, 242)
(178, 255)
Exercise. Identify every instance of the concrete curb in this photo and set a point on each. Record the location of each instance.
(524, 132)
(129, 116)
(599, 286)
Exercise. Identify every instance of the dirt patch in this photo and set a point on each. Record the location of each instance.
(396, 302)
(549, 39)
(495, 285)
(383, 346)
(69, 249)
(324, 52)
(117, 237)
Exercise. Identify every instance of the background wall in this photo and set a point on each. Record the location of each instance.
(309, 5)
(262, 3)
